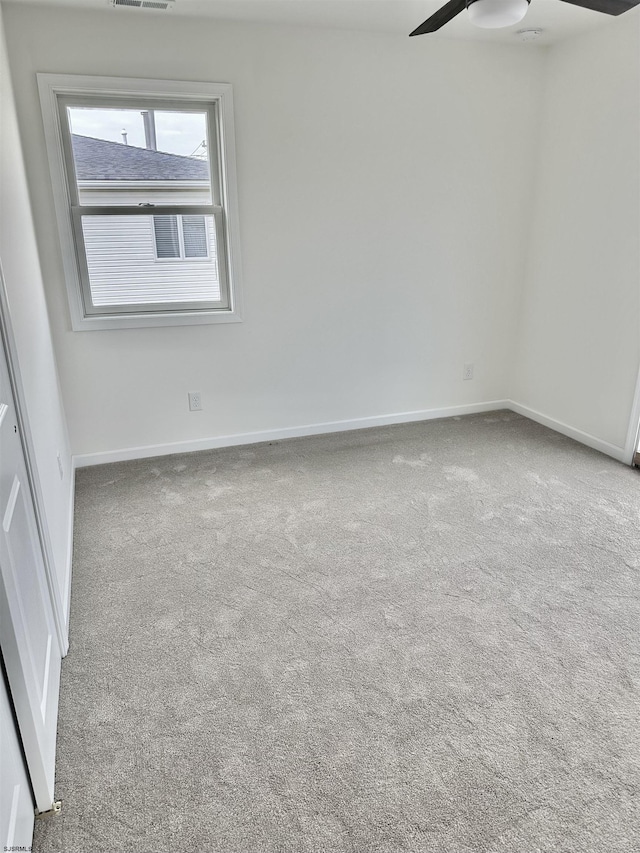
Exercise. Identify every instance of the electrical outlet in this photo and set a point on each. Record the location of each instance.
(195, 401)
(467, 371)
(60, 468)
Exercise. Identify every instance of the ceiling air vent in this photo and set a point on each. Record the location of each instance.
(162, 5)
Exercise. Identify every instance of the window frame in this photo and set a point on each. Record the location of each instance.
(57, 91)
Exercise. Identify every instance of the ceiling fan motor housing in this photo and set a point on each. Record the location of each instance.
(492, 14)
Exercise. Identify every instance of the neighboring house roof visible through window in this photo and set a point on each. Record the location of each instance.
(100, 160)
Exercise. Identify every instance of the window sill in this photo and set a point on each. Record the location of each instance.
(201, 260)
(138, 321)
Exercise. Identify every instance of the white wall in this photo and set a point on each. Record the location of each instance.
(383, 189)
(30, 324)
(579, 342)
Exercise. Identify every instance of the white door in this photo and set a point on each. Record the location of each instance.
(28, 637)
(16, 805)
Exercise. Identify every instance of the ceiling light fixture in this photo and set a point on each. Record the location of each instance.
(493, 14)
(158, 5)
(529, 35)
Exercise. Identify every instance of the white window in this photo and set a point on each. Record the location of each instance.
(144, 184)
(180, 237)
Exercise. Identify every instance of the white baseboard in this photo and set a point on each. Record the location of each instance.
(84, 459)
(619, 453)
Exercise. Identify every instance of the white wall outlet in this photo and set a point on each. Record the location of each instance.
(467, 370)
(195, 401)
(60, 468)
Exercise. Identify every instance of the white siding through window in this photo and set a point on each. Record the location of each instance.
(123, 268)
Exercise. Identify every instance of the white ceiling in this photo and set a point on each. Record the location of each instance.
(557, 19)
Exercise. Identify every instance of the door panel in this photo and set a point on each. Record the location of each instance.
(27, 630)
(37, 633)
(16, 805)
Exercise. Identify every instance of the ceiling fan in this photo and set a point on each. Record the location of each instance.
(492, 14)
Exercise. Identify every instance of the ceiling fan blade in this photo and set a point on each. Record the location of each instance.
(449, 11)
(609, 7)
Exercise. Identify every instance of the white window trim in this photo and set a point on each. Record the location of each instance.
(52, 85)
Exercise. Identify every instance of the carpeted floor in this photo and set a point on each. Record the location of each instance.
(414, 638)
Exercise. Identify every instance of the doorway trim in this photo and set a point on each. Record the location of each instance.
(7, 341)
(633, 433)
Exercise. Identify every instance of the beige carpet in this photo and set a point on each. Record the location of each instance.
(414, 638)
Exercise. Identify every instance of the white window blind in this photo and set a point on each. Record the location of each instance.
(166, 234)
(195, 237)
